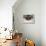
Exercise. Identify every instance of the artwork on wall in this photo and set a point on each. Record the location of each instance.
(29, 19)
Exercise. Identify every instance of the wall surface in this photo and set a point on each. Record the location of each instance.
(43, 22)
(6, 13)
(30, 31)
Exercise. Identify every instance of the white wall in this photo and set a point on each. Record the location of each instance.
(6, 13)
(43, 22)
